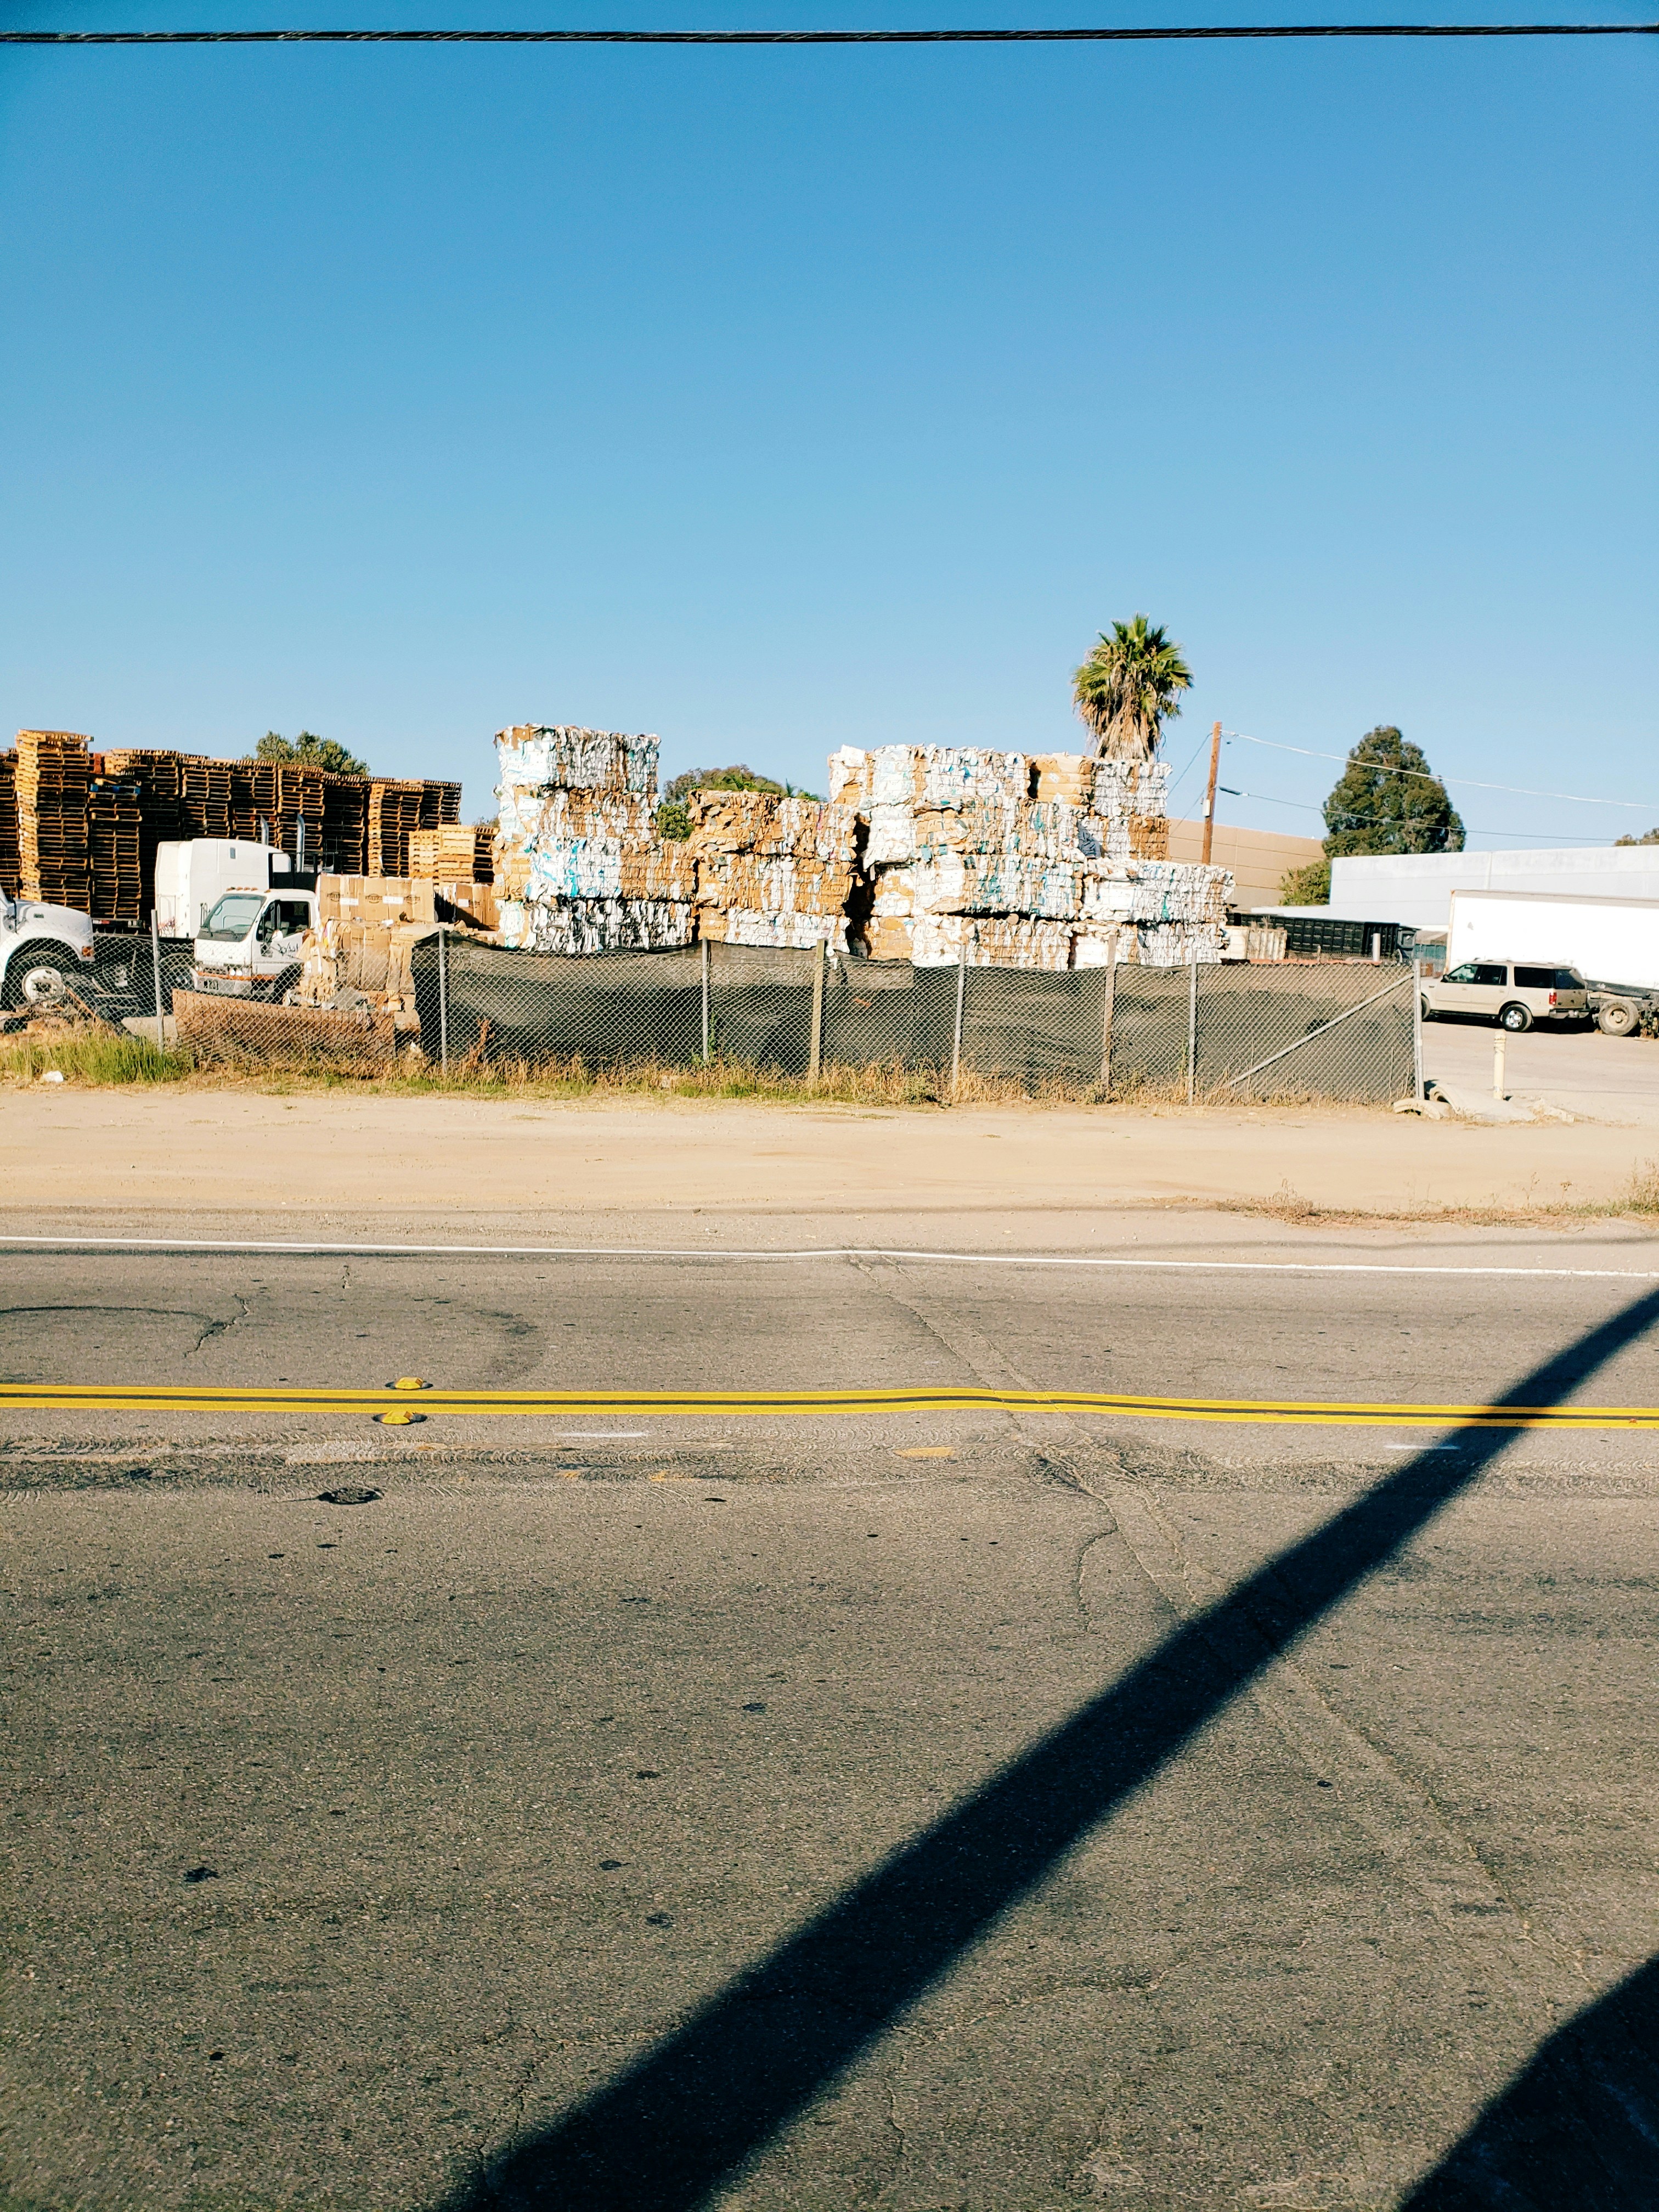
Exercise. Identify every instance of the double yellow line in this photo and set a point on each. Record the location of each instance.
(612, 1405)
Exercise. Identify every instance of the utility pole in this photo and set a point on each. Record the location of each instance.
(1209, 795)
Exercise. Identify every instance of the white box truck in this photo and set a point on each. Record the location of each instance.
(1614, 943)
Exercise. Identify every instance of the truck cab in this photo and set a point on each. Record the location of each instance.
(46, 953)
(249, 945)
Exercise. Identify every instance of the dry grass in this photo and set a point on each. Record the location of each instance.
(93, 1056)
(1640, 1201)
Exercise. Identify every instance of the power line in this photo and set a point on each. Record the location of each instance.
(1426, 775)
(1392, 821)
(1114, 34)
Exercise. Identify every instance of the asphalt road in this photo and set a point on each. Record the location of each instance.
(886, 1777)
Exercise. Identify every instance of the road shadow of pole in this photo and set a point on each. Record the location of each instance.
(687, 2116)
(1579, 2125)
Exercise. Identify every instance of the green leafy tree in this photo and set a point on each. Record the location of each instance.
(1648, 837)
(309, 751)
(1388, 800)
(1306, 886)
(1127, 689)
(673, 820)
(735, 778)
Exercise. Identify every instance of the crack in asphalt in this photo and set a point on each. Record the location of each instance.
(220, 1328)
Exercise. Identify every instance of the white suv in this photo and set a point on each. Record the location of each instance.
(1516, 993)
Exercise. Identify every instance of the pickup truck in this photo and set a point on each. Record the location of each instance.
(46, 953)
(249, 944)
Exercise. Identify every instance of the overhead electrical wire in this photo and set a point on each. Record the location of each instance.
(1124, 34)
(1381, 820)
(1426, 775)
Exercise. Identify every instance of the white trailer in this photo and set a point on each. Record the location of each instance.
(192, 877)
(1614, 943)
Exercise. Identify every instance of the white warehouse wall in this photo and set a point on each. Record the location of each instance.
(1417, 887)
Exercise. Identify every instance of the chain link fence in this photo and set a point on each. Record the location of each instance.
(1256, 1031)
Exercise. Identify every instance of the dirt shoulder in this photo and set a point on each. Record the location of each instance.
(163, 1150)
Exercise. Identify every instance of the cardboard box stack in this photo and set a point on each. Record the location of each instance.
(773, 871)
(578, 868)
(54, 775)
(1048, 862)
(368, 929)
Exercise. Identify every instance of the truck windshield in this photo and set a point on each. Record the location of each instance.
(234, 915)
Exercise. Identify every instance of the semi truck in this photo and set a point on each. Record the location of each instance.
(192, 876)
(1614, 943)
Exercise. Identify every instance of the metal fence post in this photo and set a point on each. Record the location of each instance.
(1417, 1029)
(1192, 1029)
(956, 1042)
(156, 978)
(815, 1057)
(1106, 1020)
(703, 948)
(443, 999)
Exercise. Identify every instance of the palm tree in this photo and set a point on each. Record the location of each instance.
(1127, 690)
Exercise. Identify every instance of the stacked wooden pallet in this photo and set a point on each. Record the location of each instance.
(204, 796)
(296, 824)
(8, 853)
(158, 778)
(394, 813)
(54, 771)
(457, 852)
(180, 796)
(344, 835)
(114, 817)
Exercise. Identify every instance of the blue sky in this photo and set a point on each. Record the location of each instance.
(777, 400)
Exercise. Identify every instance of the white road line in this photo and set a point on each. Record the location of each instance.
(748, 1252)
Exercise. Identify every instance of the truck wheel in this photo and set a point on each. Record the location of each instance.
(1515, 1019)
(41, 976)
(1616, 1019)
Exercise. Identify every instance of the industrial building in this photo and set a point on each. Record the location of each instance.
(1415, 889)
(1257, 859)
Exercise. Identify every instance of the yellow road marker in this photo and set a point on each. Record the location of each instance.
(926, 1451)
(725, 1404)
(409, 1382)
